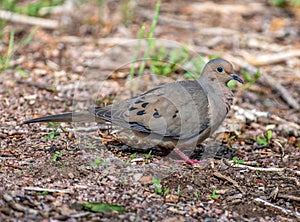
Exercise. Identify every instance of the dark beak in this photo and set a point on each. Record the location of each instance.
(235, 77)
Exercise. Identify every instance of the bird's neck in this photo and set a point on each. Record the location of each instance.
(220, 99)
(215, 87)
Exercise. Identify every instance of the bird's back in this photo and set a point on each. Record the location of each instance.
(178, 110)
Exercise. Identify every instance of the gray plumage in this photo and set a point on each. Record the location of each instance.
(182, 113)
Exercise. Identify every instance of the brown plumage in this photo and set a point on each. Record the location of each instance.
(175, 115)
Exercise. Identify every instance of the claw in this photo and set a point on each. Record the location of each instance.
(185, 158)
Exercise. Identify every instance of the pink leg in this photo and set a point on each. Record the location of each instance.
(185, 157)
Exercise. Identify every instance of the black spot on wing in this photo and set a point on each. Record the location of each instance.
(175, 115)
(141, 112)
(138, 101)
(132, 108)
(144, 104)
(156, 114)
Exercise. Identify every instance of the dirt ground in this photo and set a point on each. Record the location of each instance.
(50, 173)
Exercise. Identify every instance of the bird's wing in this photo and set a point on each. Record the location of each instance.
(179, 110)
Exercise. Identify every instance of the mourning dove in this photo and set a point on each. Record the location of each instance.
(175, 115)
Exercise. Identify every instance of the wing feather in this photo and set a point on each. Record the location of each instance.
(179, 110)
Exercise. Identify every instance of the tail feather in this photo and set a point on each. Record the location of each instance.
(83, 116)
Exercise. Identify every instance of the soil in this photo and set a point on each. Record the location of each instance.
(49, 172)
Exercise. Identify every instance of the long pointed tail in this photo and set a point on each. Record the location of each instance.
(83, 116)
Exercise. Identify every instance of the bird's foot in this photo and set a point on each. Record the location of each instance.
(189, 161)
(185, 158)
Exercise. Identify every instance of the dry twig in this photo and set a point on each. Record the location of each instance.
(212, 7)
(266, 203)
(280, 120)
(232, 181)
(282, 90)
(289, 197)
(270, 169)
(40, 189)
(100, 41)
(267, 59)
(263, 44)
(17, 18)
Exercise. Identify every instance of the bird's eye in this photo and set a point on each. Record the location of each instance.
(220, 69)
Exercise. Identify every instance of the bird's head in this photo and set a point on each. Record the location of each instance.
(220, 70)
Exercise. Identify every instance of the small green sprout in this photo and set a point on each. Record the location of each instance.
(97, 162)
(53, 134)
(235, 160)
(165, 63)
(166, 191)
(157, 184)
(193, 176)
(197, 194)
(98, 207)
(214, 194)
(284, 3)
(266, 139)
(148, 155)
(178, 191)
(133, 156)
(45, 192)
(5, 59)
(57, 155)
(23, 73)
(105, 163)
(159, 188)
